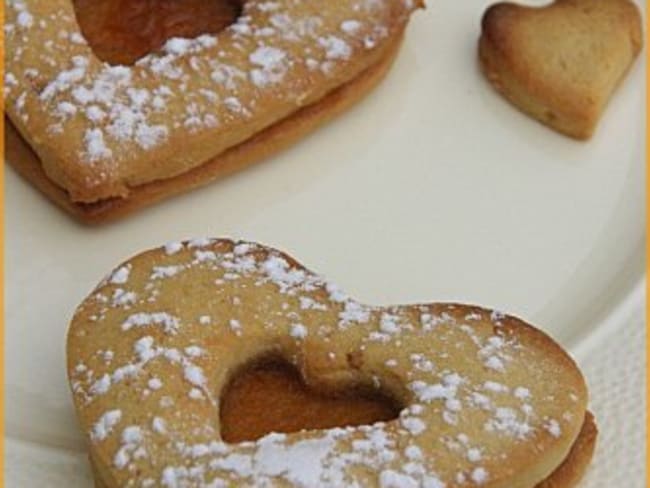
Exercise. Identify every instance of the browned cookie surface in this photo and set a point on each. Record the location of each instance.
(567, 475)
(484, 399)
(264, 144)
(100, 130)
(561, 63)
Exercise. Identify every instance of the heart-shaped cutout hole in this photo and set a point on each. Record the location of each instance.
(270, 395)
(123, 31)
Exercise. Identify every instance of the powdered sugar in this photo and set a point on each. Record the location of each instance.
(95, 145)
(168, 322)
(25, 20)
(194, 375)
(174, 366)
(123, 113)
(131, 447)
(121, 275)
(350, 26)
(172, 248)
(479, 476)
(552, 426)
(335, 47)
(271, 65)
(105, 424)
(298, 331)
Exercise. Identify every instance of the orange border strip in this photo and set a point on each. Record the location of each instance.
(647, 254)
(2, 255)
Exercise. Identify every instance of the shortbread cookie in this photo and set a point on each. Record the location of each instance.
(104, 132)
(561, 63)
(483, 398)
(266, 143)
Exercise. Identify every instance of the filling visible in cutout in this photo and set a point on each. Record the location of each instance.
(123, 31)
(271, 396)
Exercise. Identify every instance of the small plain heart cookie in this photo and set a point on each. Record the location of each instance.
(561, 63)
(482, 398)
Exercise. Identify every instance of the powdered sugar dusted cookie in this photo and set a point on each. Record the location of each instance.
(484, 399)
(561, 63)
(111, 138)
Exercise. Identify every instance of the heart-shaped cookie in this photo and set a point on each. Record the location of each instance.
(561, 63)
(483, 398)
(109, 139)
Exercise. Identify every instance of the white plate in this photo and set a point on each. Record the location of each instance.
(432, 189)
